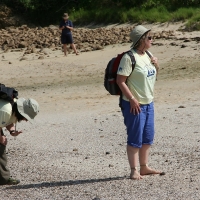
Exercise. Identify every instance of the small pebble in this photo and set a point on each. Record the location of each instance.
(75, 149)
(96, 198)
(181, 107)
(162, 173)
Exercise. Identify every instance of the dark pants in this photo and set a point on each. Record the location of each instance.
(4, 172)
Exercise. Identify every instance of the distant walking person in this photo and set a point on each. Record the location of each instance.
(137, 104)
(21, 110)
(66, 37)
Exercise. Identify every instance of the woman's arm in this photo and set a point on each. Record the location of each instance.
(11, 129)
(135, 106)
(61, 28)
(3, 139)
(70, 28)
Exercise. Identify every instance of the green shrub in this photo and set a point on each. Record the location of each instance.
(183, 14)
(159, 14)
(194, 22)
(46, 12)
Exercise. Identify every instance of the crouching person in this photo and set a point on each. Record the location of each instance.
(21, 110)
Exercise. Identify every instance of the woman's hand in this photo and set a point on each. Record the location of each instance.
(15, 133)
(11, 129)
(69, 27)
(3, 140)
(135, 107)
(154, 60)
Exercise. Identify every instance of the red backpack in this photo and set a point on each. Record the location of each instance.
(110, 77)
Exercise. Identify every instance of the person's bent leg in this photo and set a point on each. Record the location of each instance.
(4, 172)
(132, 154)
(74, 48)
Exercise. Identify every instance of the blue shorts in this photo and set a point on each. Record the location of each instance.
(140, 127)
(67, 38)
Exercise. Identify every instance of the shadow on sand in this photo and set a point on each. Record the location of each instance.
(65, 183)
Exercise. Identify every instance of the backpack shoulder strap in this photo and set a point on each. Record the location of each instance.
(148, 53)
(130, 53)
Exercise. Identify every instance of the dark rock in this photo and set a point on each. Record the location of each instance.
(181, 107)
(187, 40)
(22, 44)
(96, 198)
(183, 46)
(173, 44)
(75, 149)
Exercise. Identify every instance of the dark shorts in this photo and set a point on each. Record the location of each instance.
(140, 128)
(67, 39)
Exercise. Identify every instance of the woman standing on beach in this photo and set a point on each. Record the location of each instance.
(137, 101)
(66, 37)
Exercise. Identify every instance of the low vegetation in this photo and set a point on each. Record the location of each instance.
(109, 11)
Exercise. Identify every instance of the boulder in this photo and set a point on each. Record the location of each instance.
(23, 44)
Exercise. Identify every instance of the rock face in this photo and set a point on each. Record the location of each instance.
(49, 37)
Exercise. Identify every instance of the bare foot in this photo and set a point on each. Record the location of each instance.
(135, 175)
(145, 170)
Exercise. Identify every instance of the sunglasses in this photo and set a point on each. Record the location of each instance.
(149, 38)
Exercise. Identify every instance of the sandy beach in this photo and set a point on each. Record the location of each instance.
(77, 147)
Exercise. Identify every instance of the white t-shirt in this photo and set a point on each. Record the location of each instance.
(6, 117)
(142, 80)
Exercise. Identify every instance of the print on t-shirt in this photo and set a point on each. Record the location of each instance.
(151, 72)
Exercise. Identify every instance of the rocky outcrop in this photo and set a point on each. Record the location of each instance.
(49, 37)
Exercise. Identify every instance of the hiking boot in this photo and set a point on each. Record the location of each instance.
(12, 181)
